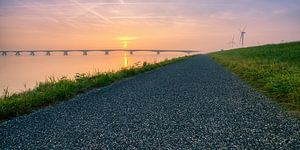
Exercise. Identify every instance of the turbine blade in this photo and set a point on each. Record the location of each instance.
(245, 28)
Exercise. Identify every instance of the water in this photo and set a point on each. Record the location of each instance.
(20, 73)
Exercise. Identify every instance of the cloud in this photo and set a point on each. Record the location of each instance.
(91, 11)
(145, 17)
(122, 1)
(108, 19)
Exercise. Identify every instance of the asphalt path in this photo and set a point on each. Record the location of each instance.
(193, 104)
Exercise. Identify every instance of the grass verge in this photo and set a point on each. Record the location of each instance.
(55, 90)
(271, 69)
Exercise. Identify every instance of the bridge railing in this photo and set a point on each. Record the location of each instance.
(85, 52)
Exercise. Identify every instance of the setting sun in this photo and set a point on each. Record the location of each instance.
(125, 44)
(125, 40)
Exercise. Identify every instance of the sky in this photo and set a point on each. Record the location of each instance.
(204, 25)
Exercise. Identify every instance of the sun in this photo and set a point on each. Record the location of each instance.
(125, 44)
(125, 40)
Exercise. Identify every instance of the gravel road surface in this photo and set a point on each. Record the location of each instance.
(193, 104)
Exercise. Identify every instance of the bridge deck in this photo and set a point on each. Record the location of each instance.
(85, 52)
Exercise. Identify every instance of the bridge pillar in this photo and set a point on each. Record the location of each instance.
(131, 52)
(32, 53)
(158, 52)
(4, 53)
(65, 53)
(106, 52)
(18, 53)
(85, 53)
(48, 53)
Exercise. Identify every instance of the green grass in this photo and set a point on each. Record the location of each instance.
(55, 90)
(271, 69)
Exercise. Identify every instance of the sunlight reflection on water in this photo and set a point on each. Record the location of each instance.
(18, 72)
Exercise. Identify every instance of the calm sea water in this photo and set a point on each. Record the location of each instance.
(20, 73)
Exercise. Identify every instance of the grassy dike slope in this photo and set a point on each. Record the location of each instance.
(271, 69)
(53, 91)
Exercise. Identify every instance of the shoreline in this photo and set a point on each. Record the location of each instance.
(54, 90)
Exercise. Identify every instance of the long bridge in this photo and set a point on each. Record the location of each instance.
(85, 52)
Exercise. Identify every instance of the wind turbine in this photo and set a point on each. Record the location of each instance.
(242, 38)
(232, 42)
